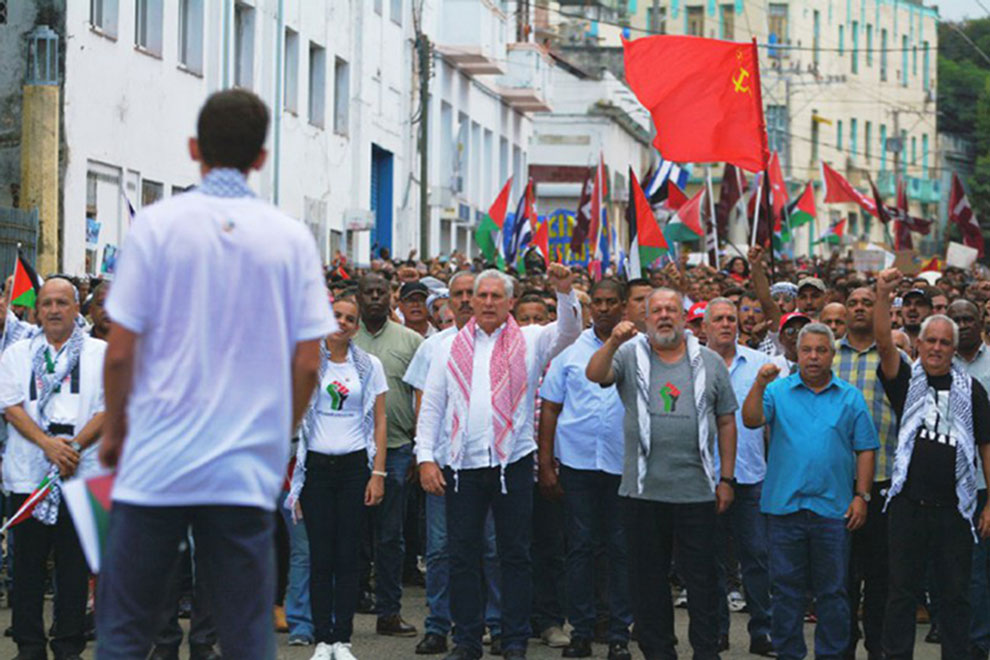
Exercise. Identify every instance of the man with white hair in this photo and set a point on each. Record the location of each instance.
(481, 386)
(944, 420)
(679, 402)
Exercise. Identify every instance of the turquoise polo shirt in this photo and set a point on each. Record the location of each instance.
(814, 438)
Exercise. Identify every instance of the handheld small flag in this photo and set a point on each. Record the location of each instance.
(961, 213)
(648, 243)
(26, 283)
(40, 493)
(89, 505)
(802, 210)
(685, 226)
(486, 235)
(833, 235)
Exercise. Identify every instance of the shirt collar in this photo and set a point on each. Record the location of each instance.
(479, 331)
(979, 354)
(225, 182)
(799, 382)
(844, 343)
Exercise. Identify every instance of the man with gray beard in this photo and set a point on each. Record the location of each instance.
(678, 401)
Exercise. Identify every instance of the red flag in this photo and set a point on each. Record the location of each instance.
(582, 219)
(961, 213)
(902, 229)
(597, 204)
(541, 239)
(704, 96)
(777, 190)
(840, 191)
(676, 198)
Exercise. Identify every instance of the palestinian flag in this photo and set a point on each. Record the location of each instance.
(40, 493)
(833, 235)
(26, 284)
(489, 229)
(648, 243)
(802, 210)
(685, 226)
(89, 504)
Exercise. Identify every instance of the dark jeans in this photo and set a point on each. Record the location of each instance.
(868, 565)
(469, 497)
(591, 503)
(236, 560)
(549, 578)
(390, 545)
(807, 549)
(979, 585)
(332, 501)
(33, 542)
(918, 533)
(655, 530)
(748, 527)
(202, 632)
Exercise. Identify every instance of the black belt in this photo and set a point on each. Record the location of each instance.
(62, 430)
(317, 459)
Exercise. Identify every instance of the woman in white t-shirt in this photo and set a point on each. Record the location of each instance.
(342, 434)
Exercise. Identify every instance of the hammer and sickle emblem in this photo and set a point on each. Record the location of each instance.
(739, 81)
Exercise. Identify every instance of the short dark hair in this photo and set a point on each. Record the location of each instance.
(638, 281)
(532, 297)
(231, 129)
(609, 284)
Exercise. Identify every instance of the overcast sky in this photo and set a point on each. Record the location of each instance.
(955, 10)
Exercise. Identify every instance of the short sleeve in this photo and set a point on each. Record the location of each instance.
(864, 431)
(128, 302)
(769, 405)
(981, 414)
(314, 318)
(378, 382)
(552, 387)
(619, 360)
(11, 387)
(725, 396)
(419, 366)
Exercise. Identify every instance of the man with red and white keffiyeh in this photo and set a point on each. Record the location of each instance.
(480, 392)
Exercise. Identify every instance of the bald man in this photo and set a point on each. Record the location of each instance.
(51, 391)
(834, 316)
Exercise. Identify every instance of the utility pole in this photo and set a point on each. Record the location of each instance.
(423, 47)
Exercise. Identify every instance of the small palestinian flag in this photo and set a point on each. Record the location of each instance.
(685, 226)
(89, 504)
(26, 284)
(802, 210)
(488, 235)
(40, 493)
(833, 235)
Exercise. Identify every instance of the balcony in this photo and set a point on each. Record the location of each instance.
(525, 84)
(472, 36)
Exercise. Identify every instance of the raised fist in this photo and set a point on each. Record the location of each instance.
(768, 373)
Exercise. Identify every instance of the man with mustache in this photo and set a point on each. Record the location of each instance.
(679, 402)
(916, 306)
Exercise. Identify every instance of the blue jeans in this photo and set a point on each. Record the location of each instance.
(748, 526)
(297, 611)
(236, 554)
(809, 549)
(469, 497)
(591, 505)
(438, 571)
(390, 545)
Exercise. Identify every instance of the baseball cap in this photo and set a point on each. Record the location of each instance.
(785, 288)
(919, 293)
(787, 318)
(413, 288)
(697, 311)
(811, 281)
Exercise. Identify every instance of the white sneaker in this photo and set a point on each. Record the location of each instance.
(555, 637)
(681, 600)
(737, 603)
(323, 652)
(342, 651)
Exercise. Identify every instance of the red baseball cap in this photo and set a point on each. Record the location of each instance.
(697, 311)
(787, 318)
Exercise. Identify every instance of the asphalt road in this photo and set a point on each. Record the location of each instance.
(369, 646)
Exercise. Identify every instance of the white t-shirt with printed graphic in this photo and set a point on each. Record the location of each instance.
(339, 427)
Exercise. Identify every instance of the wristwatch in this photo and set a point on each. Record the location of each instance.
(76, 446)
(865, 496)
(728, 480)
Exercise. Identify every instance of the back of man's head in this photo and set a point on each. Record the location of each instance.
(231, 129)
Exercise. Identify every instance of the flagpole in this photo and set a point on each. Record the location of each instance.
(713, 222)
(756, 218)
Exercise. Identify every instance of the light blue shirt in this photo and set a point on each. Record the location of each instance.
(751, 462)
(814, 438)
(589, 427)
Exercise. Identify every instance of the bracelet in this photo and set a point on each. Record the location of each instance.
(379, 473)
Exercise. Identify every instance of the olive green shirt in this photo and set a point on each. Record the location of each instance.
(395, 346)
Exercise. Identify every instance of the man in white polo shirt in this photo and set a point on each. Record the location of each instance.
(205, 379)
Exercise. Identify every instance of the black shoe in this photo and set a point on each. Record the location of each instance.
(761, 646)
(203, 652)
(976, 653)
(8, 631)
(515, 654)
(600, 635)
(185, 606)
(394, 626)
(934, 636)
(164, 653)
(463, 653)
(578, 648)
(366, 603)
(619, 651)
(495, 648)
(723, 643)
(432, 644)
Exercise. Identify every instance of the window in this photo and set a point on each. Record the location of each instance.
(924, 156)
(103, 16)
(816, 38)
(656, 20)
(914, 150)
(290, 94)
(777, 133)
(778, 21)
(883, 55)
(148, 25)
(855, 47)
(883, 147)
(914, 60)
(903, 147)
(869, 45)
(341, 97)
(191, 35)
(853, 137)
(926, 70)
(487, 193)
(838, 135)
(696, 21)
(842, 39)
(317, 84)
(396, 13)
(867, 137)
(503, 161)
(151, 192)
(904, 61)
(378, 7)
(728, 22)
(243, 46)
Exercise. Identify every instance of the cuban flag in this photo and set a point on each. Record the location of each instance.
(666, 170)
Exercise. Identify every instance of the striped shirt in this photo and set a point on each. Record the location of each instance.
(860, 369)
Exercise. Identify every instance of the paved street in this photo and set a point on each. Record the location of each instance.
(369, 646)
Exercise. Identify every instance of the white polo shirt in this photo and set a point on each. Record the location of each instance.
(24, 463)
(220, 288)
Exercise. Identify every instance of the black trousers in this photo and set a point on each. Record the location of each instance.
(202, 631)
(33, 542)
(868, 566)
(919, 533)
(654, 530)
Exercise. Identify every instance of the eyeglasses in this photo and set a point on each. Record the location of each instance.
(750, 308)
(790, 331)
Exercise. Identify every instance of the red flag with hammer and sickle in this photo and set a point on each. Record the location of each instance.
(704, 96)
